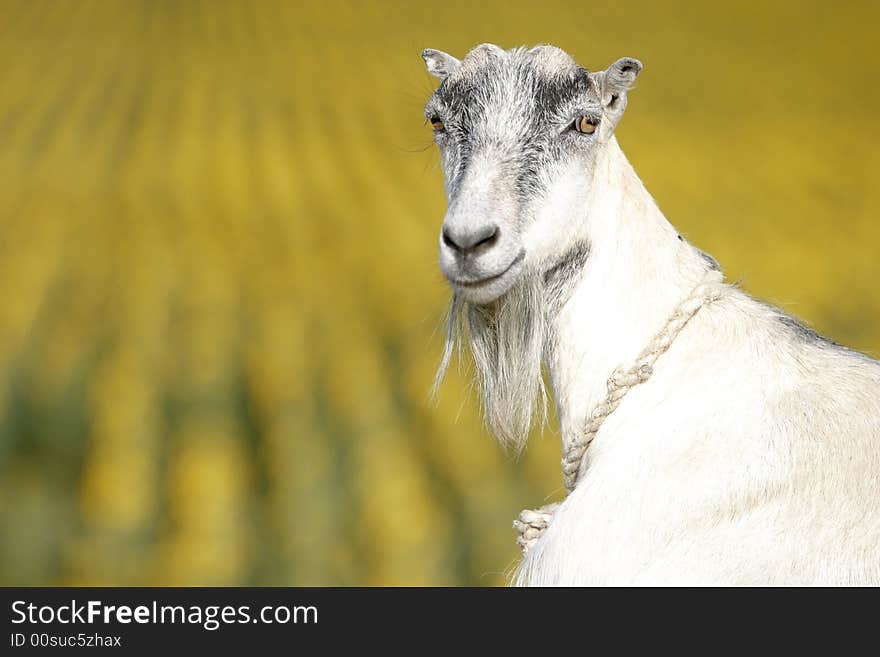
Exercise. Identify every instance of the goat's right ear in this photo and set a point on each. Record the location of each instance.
(439, 63)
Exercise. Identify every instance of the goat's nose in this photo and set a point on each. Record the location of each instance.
(470, 238)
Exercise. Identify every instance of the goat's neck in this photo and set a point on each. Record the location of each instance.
(637, 272)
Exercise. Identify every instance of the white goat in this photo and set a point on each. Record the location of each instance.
(750, 456)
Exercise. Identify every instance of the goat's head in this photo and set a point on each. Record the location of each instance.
(520, 134)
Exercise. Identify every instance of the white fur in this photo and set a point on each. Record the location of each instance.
(750, 457)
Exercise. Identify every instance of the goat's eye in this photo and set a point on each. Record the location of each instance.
(437, 124)
(585, 125)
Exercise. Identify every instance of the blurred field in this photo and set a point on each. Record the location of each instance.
(220, 297)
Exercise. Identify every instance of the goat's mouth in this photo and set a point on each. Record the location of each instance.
(488, 288)
(489, 279)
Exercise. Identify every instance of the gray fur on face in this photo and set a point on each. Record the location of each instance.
(515, 103)
(520, 102)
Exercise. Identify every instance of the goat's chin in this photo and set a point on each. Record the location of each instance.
(482, 294)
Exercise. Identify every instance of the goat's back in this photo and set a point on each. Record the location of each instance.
(751, 457)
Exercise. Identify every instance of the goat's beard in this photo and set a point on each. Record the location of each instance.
(506, 339)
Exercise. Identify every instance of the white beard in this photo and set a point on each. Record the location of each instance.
(506, 340)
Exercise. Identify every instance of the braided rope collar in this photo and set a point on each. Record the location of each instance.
(531, 524)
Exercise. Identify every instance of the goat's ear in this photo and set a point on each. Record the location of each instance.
(439, 63)
(614, 83)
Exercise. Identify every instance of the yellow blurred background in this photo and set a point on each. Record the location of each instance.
(220, 309)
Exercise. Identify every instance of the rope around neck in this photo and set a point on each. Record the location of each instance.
(531, 524)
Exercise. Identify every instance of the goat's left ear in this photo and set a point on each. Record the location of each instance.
(614, 83)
